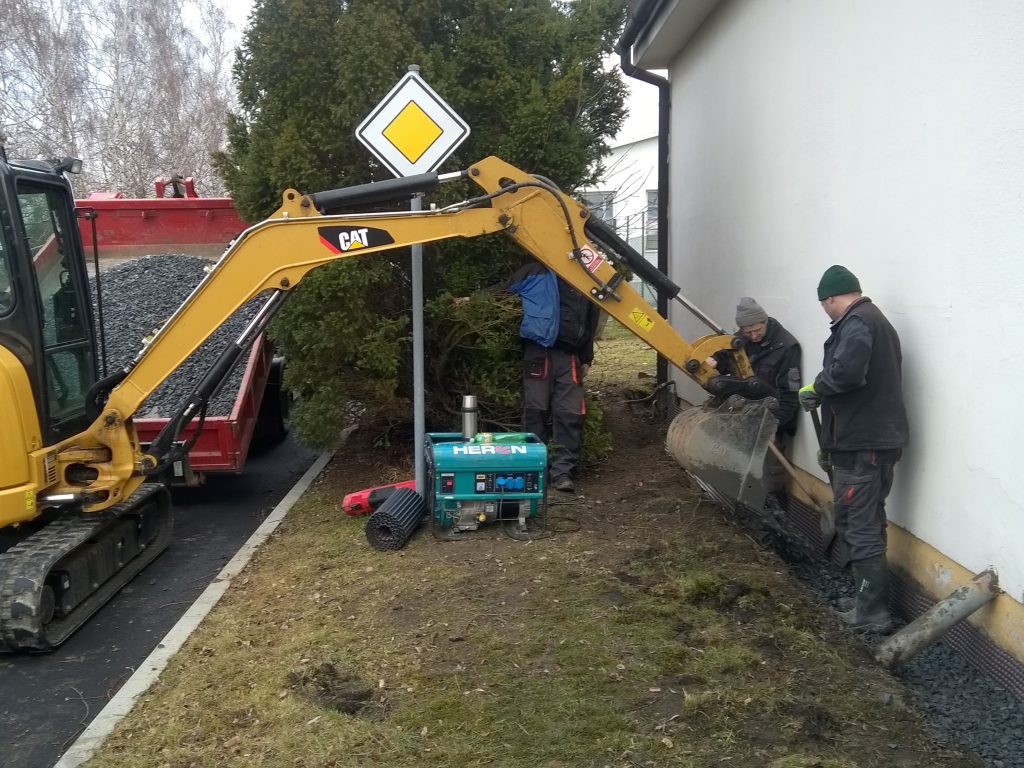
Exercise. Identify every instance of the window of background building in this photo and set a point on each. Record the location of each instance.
(651, 221)
(601, 205)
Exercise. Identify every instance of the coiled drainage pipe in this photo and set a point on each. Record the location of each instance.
(395, 520)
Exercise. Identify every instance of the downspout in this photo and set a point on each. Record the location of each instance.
(644, 10)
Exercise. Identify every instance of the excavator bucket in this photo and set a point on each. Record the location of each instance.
(726, 446)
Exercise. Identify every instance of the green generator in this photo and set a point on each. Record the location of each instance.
(491, 476)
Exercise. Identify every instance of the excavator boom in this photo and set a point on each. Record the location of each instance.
(276, 254)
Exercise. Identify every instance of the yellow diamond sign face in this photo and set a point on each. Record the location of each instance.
(412, 130)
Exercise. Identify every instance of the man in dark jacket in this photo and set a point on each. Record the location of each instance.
(864, 430)
(774, 355)
(557, 332)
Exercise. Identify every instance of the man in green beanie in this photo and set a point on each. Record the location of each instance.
(864, 430)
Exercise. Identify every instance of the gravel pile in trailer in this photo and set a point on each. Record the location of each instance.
(138, 295)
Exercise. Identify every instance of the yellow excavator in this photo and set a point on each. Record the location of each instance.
(82, 509)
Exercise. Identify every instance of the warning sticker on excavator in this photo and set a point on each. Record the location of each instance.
(641, 319)
(30, 500)
(590, 258)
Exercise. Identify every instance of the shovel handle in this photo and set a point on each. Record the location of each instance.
(791, 471)
(816, 419)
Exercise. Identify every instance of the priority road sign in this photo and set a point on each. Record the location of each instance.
(412, 130)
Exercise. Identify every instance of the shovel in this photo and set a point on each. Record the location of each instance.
(828, 517)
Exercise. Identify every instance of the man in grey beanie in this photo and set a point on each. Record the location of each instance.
(774, 355)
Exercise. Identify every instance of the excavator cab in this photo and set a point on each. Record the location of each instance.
(67, 564)
(45, 307)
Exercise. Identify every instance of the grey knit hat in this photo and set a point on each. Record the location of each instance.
(749, 312)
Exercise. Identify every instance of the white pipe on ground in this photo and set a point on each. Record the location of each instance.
(937, 620)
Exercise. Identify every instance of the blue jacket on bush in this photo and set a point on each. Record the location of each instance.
(555, 314)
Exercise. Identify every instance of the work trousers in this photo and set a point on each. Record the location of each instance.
(552, 393)
(861, 481)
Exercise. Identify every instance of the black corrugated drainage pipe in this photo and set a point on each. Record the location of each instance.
(642, 12)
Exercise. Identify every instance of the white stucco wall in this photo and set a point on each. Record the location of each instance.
(888, 137)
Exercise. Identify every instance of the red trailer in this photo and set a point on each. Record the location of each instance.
(130, 227)
(125, 228)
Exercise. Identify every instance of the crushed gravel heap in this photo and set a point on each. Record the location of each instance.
(964, 707)
(138, 295)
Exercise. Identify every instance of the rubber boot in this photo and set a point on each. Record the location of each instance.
(871, 612)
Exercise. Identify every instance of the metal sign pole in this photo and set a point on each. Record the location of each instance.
(411, 131)
(419, 407)
(418, 400)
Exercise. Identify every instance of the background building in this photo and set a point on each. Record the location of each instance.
(626, 197)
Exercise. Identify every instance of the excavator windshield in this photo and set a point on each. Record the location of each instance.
(67, 346)
(6, 288)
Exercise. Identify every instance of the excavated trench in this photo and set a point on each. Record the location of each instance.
(962, 705)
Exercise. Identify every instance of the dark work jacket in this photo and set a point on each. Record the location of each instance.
(776, 360)
(577, 315)
(861, 384)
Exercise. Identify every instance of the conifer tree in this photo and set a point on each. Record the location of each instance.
(526, 75)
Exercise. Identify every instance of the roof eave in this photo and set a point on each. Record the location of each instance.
(659, 29)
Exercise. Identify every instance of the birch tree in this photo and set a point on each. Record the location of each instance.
(127, 85)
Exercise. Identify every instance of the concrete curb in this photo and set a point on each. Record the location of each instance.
(92, 738)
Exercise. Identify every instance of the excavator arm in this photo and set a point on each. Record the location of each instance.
(104, 464)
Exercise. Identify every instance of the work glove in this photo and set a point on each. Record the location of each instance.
(825, 461)
(809, 399)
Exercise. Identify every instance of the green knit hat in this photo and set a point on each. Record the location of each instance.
(836, 281)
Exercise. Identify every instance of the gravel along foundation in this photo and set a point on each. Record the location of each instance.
(960, 704)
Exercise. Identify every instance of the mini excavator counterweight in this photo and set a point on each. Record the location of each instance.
(78, 518)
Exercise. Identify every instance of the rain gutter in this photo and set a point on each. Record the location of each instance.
(641, 14)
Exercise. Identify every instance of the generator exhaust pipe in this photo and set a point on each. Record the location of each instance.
(469, 417)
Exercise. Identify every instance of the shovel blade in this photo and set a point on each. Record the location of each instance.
(726, 446)
(828, 525)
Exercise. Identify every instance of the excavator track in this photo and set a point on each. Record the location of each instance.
(55, 579)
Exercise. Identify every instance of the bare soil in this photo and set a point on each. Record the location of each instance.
(641, 627)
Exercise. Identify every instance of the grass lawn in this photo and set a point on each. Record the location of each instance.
(642, 627)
